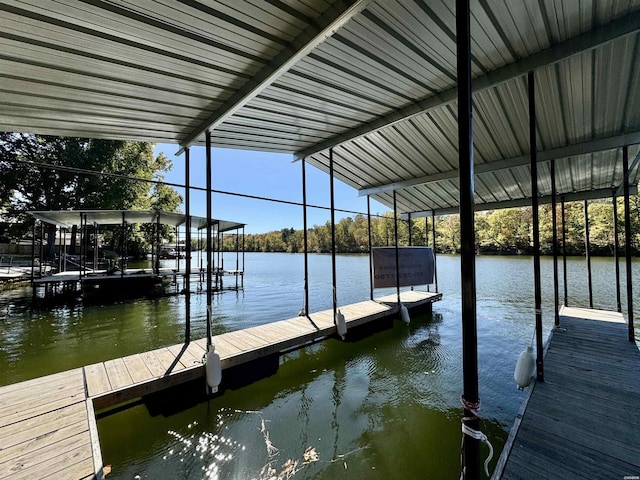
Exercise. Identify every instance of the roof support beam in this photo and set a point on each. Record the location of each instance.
(587, 41)
(522, 202)
(583, 148)
(324, 27)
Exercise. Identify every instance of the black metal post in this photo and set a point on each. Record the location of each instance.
(237, 255)
(409, 227)
(209, 235)
(435, 257)
(470, 395)
(41, 247)
(187, 226)
(333, 237)
(627, 242)
(587, 250)
(124, 246)
(81, 245)
(554, 228)
(536, 227)
(426, 242)
(395, 235)
(616, 253)
(242, 279)
(33, 258)
(158, 243)
(564, 252)
(370, 248)
(305, 237)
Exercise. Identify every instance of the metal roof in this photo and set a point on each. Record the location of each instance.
(374, 79)
(68, 218)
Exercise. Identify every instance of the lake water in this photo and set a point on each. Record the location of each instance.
(383, 407)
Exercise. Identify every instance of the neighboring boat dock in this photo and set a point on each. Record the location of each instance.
(582, 421)
(48, 424)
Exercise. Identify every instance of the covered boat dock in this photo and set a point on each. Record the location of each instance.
(427, 107)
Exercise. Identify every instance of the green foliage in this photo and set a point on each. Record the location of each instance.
(500, 231)
(26, 186)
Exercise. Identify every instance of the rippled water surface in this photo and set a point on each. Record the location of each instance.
(386, 406)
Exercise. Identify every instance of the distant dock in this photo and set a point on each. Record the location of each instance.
(48, 425)
(583, 420)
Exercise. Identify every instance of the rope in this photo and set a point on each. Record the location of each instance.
(466, 430)
(474, 408)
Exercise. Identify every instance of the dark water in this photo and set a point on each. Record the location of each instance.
(384, 407)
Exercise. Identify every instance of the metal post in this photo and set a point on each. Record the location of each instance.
(409, 227)
(395, 235)
(41, 246)
(333, 237)
(564, 252)
(237, 255)
(81, 245)
(59, 249)
(470, 395)
(587, 249)
(627, 242)
(305, 237)
(177, 249)
(554, 228)
(33, 258)
(616, 253)
(242, 279)
(158, 243)
(370, 248)
(124, 243)
(209, 234)
(187, 226)
(64, 250)
(536, 227)
(426, 241)
(435, 257)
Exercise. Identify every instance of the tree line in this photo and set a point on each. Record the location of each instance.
(505, 231)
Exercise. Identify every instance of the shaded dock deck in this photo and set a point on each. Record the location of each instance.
(48, 426)
(583, 420)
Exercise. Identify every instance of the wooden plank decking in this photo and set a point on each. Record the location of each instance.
(583, 420)
(48, 427)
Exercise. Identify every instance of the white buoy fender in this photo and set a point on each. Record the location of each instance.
(525, 367)
(404, 314)
(341, 325)
(213, 369)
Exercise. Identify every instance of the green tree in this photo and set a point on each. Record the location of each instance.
(44, 173)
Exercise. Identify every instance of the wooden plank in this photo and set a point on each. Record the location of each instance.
(38, 397)
(137, 369)
(117, 373)
(69, 460)
(167, 359)
(41, 425)
(47, 383)
(187, 358)
(97, 379)
(36, 407)
(582, 422)
(96, 452)
(153, 364)
(77, 426)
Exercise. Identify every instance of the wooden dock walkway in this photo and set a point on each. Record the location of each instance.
(48, 426)
(583, 420)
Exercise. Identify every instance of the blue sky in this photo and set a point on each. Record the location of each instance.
(263, 174)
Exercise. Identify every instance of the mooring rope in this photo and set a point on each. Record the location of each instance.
(474, 408)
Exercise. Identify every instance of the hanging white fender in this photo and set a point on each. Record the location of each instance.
(341, 325)
(525, 367)
(404, 314)
(213, 369)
